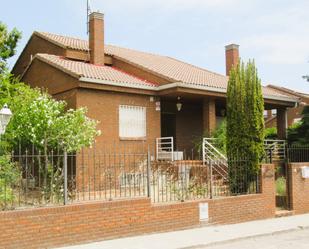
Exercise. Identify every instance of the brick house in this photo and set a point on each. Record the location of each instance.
(294, 114)
(136, 96)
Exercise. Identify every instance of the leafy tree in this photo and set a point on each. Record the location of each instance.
(40, 120)
(245, 125)
(44, 122)
(8, 43)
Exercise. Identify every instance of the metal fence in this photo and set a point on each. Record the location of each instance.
(33, 178)
(298, 153)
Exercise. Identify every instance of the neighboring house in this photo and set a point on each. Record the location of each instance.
(294, 114)
(136, 96)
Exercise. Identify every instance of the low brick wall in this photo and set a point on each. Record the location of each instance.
(298, 189)
(87, 222)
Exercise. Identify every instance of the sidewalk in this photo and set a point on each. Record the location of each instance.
(203, 236)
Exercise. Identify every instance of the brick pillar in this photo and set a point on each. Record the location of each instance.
(209, 115)
(269, 114)
(96, 38)
(268, 189)
(298, 188)
(281, 123)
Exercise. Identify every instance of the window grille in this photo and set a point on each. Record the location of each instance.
(132, 121)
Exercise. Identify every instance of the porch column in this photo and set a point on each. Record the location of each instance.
(282, 123)
(209, 115)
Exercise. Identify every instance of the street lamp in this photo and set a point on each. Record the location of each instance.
(5, 116)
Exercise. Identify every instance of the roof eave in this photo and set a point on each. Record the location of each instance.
(118, 84)
(174, 85)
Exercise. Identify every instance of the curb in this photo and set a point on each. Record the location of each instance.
(298, 228)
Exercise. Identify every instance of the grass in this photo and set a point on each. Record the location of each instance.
(281, 186)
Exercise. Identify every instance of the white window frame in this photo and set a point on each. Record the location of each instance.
(128, 125)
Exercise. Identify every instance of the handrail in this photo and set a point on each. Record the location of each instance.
(275, 148)
(218, 161)
(214, 148)
(165, 148)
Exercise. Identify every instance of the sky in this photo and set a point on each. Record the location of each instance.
(272, 32)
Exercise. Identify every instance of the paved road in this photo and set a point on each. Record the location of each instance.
(288, 240)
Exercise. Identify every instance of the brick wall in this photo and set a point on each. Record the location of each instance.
(298, 189)
(35, 45)
(80, 223)
(49, 78)
(104, 107)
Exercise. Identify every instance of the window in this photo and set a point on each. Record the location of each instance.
(132, 121)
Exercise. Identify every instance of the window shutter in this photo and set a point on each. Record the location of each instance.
(132, 121)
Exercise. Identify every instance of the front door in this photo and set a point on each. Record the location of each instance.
(168, 125)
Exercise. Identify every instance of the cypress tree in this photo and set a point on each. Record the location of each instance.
(245, 125)
(254, 105)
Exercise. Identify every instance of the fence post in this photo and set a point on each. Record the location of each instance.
(210, 182)
(148, 173)
(65, 168)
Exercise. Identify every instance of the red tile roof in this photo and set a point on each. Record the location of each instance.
(166, 67)
(81, 69)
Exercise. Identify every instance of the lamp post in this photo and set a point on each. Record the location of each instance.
(5, 116)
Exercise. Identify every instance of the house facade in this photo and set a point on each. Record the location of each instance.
(294, 114)
(136, 96)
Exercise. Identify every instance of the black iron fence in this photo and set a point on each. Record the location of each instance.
(33, 178)
(298, 153)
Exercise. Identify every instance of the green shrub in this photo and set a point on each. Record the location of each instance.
(220, 135)
(281, 186)
(270, 133)
(9, 175)
(293, 136)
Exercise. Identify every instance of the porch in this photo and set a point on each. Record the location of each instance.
(187, 117)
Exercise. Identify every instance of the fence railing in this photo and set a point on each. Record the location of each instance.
(35, 178)
(275, 150)
(298, 153)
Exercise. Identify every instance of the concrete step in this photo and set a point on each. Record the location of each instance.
(284, 213)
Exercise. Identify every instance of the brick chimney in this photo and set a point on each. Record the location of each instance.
(231, 57)
(96, 38)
